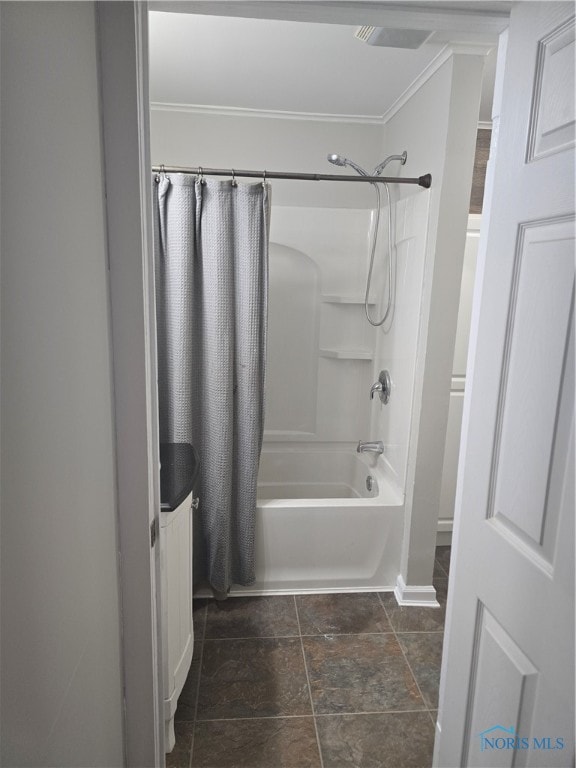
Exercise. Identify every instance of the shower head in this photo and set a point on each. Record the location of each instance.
(343, 161)
(337, 160)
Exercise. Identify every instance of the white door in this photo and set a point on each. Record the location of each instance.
(507, 690)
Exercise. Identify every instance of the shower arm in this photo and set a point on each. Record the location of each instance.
(401, 158)
(422, 181)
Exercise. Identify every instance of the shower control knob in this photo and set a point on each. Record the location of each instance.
(383, 386)
(375, 388)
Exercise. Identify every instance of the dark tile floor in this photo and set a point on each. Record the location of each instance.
(312, 681)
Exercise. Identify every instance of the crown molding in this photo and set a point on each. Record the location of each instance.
(204, 109)
(452, 49)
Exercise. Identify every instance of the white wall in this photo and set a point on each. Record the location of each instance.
(437, 126)
(277, 144)
(61, 679)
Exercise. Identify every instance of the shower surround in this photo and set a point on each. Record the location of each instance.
(319, 528)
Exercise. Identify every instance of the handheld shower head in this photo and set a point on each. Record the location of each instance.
(343, 161)
(337, 159)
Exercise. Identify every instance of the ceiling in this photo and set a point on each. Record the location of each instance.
(277, 65)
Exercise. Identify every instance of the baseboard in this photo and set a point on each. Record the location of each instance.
(423, 596)
(444, 533)
(438, 729)
(236, 591)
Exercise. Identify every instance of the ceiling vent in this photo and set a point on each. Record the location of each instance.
(393, 38)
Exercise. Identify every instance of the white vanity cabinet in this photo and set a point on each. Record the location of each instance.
(176, 585)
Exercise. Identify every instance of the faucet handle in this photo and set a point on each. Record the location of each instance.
(383, 386)
(375, 388)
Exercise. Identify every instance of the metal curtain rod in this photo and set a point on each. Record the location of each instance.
(423, 181)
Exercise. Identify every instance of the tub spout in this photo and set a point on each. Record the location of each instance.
(377, 447)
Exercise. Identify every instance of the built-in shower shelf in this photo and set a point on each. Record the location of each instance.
(334, 298)
(347, 354)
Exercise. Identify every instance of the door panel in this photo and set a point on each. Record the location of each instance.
(497, 657)
(531, 379)
(507, 690)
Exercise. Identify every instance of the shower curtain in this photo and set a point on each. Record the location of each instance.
(211, 256)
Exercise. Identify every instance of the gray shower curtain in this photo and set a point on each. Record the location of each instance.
(211, 255)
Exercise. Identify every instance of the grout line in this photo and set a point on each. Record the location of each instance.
(385, 611)
(295, 637)
(413, 675)
(195, 717)
(258, 717)
(371, 712)
(433, 718)
(308, 682)
(406, 659)
(322, 714)
(254, 637)
(347, 634)
(439, 564)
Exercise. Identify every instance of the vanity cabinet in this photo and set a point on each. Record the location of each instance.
(178, 473)
(178, 630)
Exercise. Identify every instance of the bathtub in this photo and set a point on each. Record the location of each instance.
(318, 526)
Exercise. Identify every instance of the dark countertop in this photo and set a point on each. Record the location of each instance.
(179, 467)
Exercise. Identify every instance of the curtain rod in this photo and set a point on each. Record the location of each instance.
(423, 181)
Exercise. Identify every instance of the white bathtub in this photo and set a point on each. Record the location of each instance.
(318, 528)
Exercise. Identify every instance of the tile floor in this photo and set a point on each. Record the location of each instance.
(312, 681)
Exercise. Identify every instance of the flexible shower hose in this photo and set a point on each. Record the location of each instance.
(377, 323)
